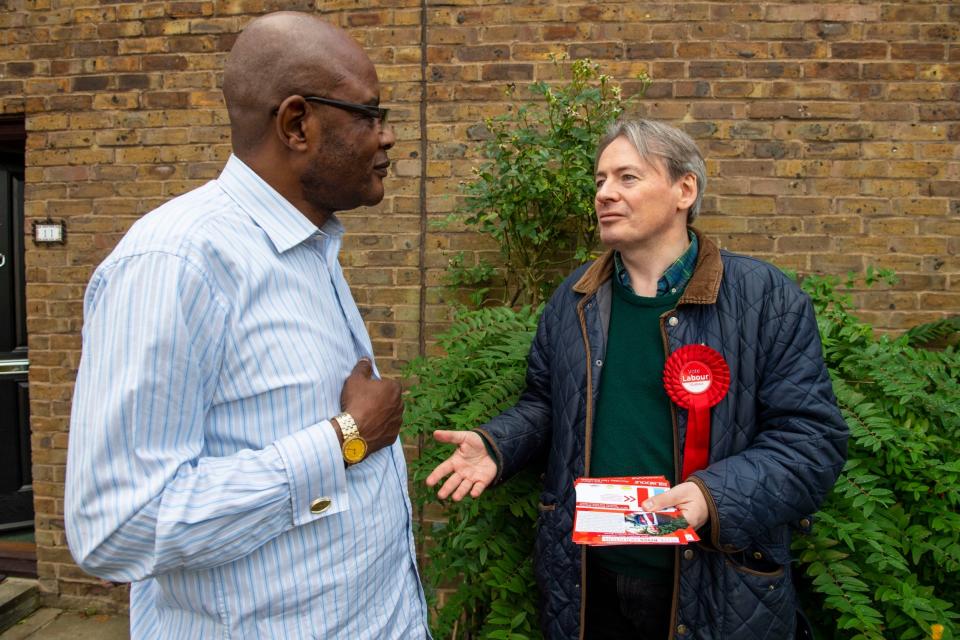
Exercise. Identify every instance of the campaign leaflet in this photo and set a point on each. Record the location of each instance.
(608, 513)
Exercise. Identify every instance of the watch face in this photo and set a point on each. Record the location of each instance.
(354, 450)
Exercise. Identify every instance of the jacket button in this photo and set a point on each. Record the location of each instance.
(688, 554)
(681, 629)
(599, 363)
(805, 523)
(673, 321)
(757, 555)
(320, 505)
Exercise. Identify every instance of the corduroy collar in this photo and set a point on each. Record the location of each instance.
(702, 288)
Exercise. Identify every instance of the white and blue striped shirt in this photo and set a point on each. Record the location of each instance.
(217, 337)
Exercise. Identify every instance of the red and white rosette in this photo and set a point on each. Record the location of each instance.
(696, 378)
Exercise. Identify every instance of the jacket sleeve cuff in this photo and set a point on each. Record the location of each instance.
(713, 522)
(492, 451)
(315, 472)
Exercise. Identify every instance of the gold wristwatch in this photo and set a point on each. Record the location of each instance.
(354, 447)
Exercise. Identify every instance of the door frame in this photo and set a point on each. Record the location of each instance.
(17, 556)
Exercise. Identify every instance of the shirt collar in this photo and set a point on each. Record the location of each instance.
(283, 223)
(676, 276)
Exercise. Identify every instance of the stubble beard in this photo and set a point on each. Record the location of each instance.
(324, 196)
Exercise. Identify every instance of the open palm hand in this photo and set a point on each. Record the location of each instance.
(470, 468)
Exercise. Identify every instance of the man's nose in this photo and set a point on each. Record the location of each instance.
(387, 136)
(606, 192)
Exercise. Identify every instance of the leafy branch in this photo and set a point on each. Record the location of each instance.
(534, 193)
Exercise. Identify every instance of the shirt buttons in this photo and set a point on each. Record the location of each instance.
(688, 554)
(673, 321)
(319, 505)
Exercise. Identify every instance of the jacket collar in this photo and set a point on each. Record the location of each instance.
(701, 289)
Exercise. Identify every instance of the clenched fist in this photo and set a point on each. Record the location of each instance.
(376, 406)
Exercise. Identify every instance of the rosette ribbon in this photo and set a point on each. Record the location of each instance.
(696, 378)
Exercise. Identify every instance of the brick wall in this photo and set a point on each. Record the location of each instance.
(830, 129)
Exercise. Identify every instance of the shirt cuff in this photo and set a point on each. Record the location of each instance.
(315, 471)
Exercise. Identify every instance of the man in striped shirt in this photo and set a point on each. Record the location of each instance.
(233, 451)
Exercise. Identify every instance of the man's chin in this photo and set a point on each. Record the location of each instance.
(374, 196)
(611, 240)
(369, 199)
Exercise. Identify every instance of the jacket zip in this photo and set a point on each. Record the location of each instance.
(588, 432)
(675, 601)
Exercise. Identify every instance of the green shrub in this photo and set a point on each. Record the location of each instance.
(883, 559)
(534, 194)
(485, 546)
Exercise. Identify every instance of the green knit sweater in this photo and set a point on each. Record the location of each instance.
(633, 428)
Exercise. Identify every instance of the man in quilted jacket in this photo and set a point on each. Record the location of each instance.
(596, 406)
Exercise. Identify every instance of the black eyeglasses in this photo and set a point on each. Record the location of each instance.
(369, 110)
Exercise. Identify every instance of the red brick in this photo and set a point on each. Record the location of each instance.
(736, 12)
(793, 13)
(851, 12)
(889, 71)
(940, 32)
(716, 69)
(915, 51)
(599, 50)
(775, 31)
(910, 12)
(507, 72)
(715, 31)
(364, 19)
(859, 50)
(832, 70)
(734, 89)
(892, 31)
(689, 50)
(773, 70)
(805, 244)
(485, 52)
(741, 50)
(649, 50)
(564, 32)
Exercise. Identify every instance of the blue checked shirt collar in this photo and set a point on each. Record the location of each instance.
(676, 276)
(283, 223)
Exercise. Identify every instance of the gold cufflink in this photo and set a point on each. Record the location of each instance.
(319, 505)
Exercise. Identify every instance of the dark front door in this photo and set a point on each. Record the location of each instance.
(16, 493)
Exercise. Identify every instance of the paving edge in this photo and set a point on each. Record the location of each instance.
(18, 599)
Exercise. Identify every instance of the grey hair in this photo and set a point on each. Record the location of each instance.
(654, 139)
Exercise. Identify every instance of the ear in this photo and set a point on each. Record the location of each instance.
(688, 191)
(291, 123)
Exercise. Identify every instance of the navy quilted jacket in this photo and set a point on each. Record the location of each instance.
(778, 442)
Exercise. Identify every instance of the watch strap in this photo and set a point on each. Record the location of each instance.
(348, 426)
